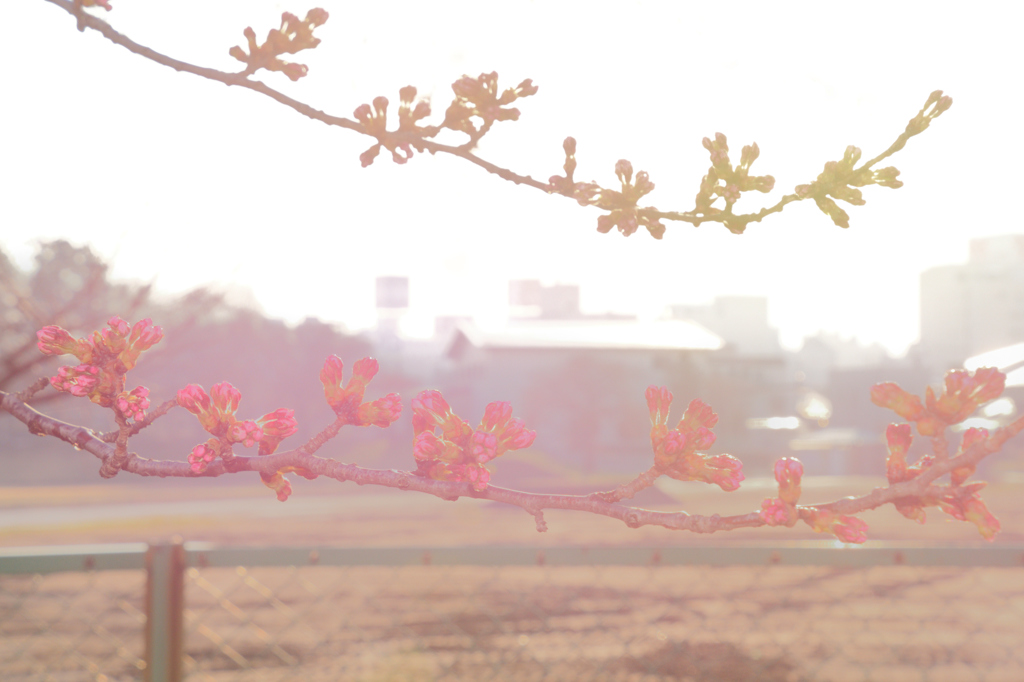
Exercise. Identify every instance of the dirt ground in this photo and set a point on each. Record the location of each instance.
(433, 623)
(622, 624)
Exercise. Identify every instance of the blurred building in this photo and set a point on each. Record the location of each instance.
(742, 321)
(973, 308)
(579, 383)
(825, 353)
(530, 299)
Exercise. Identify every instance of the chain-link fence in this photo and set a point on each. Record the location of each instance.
(62, 619)
(375, 615)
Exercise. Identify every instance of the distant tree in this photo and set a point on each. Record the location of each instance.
(67, 286)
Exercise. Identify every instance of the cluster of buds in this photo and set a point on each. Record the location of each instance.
(840, 180)
(727, 182)
(410, 112)
(781, 511)
(478, 98)
(216, 413)
(566, 185)
(963, 392)
(347, 401)
(846, 528)
(960, 501)
(624, 212)
(459, 452)
(293, 36)
(281, 485)
(105, 358)
(679, 452)
(375, 122)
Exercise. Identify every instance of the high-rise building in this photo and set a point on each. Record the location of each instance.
(973, 308)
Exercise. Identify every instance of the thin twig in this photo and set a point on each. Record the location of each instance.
(418, 140)
(161, 410)
(628, 490)
(35, 387)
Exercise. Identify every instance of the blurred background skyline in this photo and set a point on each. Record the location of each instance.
(181, 182)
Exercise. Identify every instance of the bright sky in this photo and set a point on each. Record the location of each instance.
(186, 181)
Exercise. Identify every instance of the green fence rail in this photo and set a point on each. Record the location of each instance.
(165, 613)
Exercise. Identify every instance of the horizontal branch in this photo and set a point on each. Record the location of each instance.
(534, 503)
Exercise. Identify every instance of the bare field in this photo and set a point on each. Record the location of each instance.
(628, 624)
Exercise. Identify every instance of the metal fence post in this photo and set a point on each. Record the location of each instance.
(165, 609)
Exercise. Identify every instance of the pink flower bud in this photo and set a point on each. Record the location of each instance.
(850, 529)
(248, 433)
(898, 438)
(133, 405)
(891, 396)
(429, 409)
(484, 446)
(726, 471)
(788, 471)
(477, 475)
(365, 369)
(119, 326)
(79, 381)
(427, 446)
(225, 398)
(516, 436)
(194, 399)
(382, 412)
(362, 113)
(773, 512)
(496, 416)
(202, 455)
(624, 171)
(422, 110)
(330, 375)
(317, 17)
(278, 483)
(698, 413)
(276, 426)
(54, 340)
(659, 400)
(675, 443)
(846, 528)
(295, 71)
(702, 439)
(977, 513)
(963, 392)
(144, 335)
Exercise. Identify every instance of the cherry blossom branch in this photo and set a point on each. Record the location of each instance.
(478, 98)
(534, 503)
